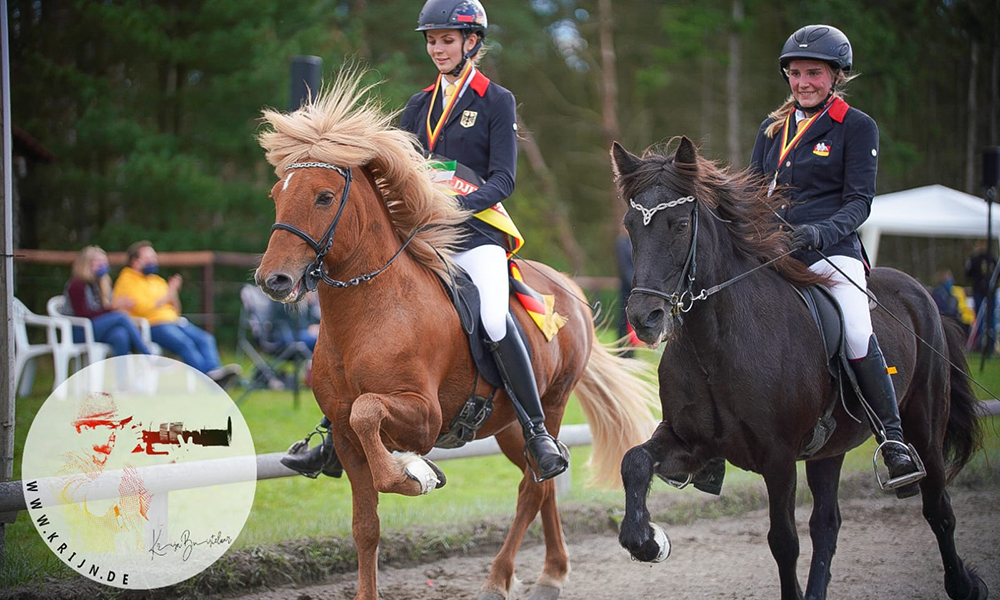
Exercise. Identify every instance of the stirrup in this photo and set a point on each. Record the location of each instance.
(902, 480)
(533, 468)
(302, 447)
(676, 483)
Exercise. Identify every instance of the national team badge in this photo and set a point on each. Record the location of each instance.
(821, 149)
(468, 118)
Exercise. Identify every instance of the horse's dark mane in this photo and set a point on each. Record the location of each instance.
(739, 198)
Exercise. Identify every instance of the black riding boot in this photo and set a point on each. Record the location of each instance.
(321, 459)
(876, 386)
(546, 457)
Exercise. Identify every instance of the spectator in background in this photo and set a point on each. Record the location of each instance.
(951, 300)
(979, 268)
(157, 300)
(298, 323)
(88, 294)
(626, 270)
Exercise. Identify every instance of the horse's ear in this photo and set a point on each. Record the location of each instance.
(622, 161)
(686, 153)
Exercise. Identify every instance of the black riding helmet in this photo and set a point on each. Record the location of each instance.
(818, 42)
(467, 16)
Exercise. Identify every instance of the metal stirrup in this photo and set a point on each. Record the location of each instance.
(903, 480)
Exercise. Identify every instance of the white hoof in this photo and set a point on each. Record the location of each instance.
(662, 541)
(418, 470)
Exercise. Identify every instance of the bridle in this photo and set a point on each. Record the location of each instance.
(684, 297)
(315, 272)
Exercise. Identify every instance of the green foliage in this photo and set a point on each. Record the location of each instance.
(151, 109)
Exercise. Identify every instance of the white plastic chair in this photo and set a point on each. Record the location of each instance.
(57, 306)
(95, 351)
(57, 331)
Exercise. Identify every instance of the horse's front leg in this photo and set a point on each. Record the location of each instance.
(646, 541)
(408, 421)
(823, 477)
(365, 524)
(779, 476)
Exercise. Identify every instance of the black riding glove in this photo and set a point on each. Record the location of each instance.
(806, 237)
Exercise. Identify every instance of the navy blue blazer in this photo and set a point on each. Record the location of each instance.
(830, 176)
(481, 133)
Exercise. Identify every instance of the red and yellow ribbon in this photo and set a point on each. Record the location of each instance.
(787, 146)
(434, 132)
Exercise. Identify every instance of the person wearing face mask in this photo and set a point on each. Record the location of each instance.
(466, 119)
(157, 300)
(824, 154)
(89, 295)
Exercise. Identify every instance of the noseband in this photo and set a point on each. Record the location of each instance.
(683, 297)
(315, 272)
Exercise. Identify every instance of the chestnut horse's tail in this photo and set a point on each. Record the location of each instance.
(618, 396)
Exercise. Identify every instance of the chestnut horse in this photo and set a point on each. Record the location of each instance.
(392, 365)
(744, 377)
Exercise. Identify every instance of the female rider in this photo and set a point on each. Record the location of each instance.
(465, 117)
(825, 153)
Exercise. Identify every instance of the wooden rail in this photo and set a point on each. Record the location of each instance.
(207, 260)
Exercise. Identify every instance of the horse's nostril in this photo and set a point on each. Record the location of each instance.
(653, 319)
(279, 282)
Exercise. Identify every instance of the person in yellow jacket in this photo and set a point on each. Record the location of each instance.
(157, 300)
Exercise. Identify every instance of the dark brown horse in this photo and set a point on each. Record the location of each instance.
(392, 365)
(744, 377)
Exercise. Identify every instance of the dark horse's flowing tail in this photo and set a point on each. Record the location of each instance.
(963, 435)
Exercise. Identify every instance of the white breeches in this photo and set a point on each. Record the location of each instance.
(853, 301)
(487, 266)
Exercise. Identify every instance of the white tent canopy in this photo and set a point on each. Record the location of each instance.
(929, 211)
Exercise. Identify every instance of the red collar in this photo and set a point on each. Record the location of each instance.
(838, 110)
(479, 84)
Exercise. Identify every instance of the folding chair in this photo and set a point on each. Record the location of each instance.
(278, 358)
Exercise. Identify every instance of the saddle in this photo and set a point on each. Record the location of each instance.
(829, 319)
(465, 297)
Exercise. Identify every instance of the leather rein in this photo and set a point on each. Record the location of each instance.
(315, 272)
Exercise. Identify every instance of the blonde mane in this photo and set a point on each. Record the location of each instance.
(343, 126)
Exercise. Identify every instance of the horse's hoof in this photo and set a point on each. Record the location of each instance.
(438, 472)
(982, 591)
(418, 470)
(491, 596)
(662, 542)
(540, 591)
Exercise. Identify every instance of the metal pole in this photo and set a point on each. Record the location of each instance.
(7, 278)
(305, 80)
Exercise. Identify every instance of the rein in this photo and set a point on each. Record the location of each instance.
(315, 271)
(682, 301)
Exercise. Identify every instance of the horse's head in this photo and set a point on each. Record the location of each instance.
(311, 205)
(355, 221)
(662, 222)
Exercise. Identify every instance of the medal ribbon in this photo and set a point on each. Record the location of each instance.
(434, 132)
(786, 146)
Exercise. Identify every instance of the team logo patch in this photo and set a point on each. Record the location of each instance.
(821, 149)
(468, 118)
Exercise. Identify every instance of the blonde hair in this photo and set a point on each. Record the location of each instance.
(840, 80)
(343, 127)
(81, 264)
